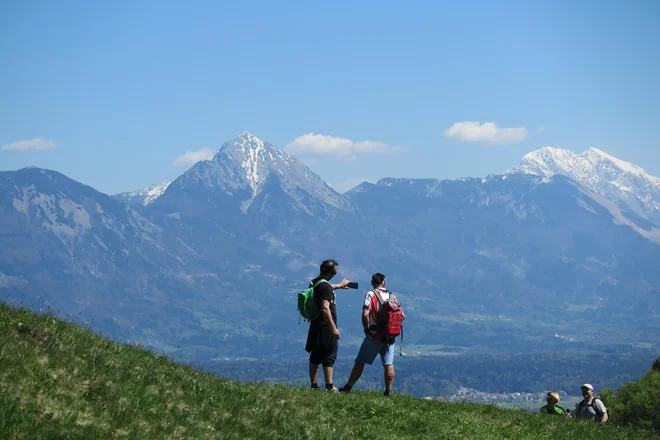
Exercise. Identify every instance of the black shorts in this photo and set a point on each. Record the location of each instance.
(321, 345)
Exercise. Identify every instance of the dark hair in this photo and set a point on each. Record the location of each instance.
(328, 265)
(377, 279)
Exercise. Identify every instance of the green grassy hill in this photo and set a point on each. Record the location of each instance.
(61, 381)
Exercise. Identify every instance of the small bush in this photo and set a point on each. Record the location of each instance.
(637, 403)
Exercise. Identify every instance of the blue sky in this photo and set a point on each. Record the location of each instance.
(112, 93)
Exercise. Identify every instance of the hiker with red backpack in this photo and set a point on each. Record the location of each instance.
(382, 316)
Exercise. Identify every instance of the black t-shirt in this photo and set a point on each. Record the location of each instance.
(324, 291)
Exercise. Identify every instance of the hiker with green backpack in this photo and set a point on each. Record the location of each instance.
(317, 304)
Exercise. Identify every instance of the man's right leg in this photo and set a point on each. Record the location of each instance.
(387, 356)
(313, 374)
(356, 372)
(368, 351)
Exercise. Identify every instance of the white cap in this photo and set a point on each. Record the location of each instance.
(587, 385)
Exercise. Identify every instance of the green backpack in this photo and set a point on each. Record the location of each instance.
(306, 305)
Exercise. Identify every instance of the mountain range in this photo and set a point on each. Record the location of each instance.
(634, 190)
(562, 249)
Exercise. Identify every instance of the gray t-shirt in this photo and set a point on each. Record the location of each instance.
(591, 409)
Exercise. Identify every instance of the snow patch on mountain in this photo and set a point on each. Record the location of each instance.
(254, 152)
(595, 155)
(146, 195)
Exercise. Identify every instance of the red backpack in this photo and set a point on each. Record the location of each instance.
(389, 316)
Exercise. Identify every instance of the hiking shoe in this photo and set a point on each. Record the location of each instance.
(344, 389)
(387, 393)
(334, 389)
(315, 386)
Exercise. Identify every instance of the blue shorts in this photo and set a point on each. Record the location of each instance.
(371, 347)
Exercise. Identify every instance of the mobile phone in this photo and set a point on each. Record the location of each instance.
(352, 285)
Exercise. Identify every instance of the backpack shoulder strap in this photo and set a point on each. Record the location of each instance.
(376, 305)
(394, 299)
(375, 301)
(318, 282)
(599, 413)
(381, 301)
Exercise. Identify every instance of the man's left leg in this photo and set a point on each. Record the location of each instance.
(389, 379)
(387, 356)
(327, 373)
(328, 364)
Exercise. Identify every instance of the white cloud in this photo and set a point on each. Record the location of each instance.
(488, 133)
(34, 144)
(190, 158)
(312, 143)
(348, 184)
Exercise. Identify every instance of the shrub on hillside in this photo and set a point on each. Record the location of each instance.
(637, 403)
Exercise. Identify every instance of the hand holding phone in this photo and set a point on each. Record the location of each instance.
(352, 285)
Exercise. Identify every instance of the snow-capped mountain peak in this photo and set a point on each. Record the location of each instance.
(247, 164)
(254, 159)
(549, 161)
(240, 162)
(619, 181)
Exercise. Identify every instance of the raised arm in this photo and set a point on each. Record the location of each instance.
(342, 285)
